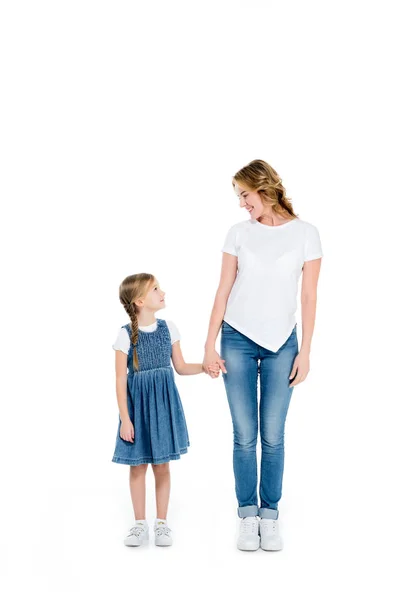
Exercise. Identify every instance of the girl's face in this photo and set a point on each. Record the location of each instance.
(251, 201)
(154, 299)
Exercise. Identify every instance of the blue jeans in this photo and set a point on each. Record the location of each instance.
(244, 360)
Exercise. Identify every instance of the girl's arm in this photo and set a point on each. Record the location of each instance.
(127, 431)
(183, 368)
(121, 364)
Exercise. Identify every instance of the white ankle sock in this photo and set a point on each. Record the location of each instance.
(158, 521)
(141, 522)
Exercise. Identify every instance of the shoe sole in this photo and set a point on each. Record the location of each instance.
(271, 549)
(249, 549)
(127, 543)
(163, 545)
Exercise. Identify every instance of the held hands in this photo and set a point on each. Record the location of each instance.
(127, 431)
(212, 370)
(213, 363)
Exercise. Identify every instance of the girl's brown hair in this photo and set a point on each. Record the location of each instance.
(259, 176)
(131, 289)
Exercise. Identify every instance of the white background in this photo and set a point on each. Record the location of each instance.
(122, 124)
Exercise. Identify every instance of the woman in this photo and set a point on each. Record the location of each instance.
(256, 302)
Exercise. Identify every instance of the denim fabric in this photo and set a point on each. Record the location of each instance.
(154, 403)
(247, 363)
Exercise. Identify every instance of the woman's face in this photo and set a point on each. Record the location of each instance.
(251, 201)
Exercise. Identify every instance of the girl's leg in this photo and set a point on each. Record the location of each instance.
(275, 395)
(241, 362)
(163, 486)
(137, 484)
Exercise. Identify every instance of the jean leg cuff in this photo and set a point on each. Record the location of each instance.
(268, 513)
(247, 511)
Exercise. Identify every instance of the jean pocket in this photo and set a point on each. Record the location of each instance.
(226, 328)
(292, 339)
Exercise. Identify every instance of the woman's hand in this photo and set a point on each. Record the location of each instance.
(302, 366)
(211, 357)
(127, 431)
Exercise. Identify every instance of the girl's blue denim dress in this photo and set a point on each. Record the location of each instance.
(154, 404)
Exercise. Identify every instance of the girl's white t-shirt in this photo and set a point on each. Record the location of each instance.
(263, 301)
(123, 341)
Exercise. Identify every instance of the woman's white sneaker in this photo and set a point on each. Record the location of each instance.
(249, 538)
(138, 534)
(270, 536)
(162, 533)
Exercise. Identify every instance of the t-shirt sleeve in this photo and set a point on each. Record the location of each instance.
(122, 341)
(230, 245)
(313, 248)
(174, 332)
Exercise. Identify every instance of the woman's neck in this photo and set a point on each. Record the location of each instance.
(273, 219)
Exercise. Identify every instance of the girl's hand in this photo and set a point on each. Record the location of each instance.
(127, 431)
(212, 370)
(302, 366)
(211, 357)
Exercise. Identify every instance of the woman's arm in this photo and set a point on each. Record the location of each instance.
(311, 270)
(227, 279)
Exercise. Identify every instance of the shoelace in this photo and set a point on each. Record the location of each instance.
(247, 526)
(163, 530)
(270, 526)
(137, 530)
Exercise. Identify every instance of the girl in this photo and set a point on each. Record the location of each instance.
(152, 427)
(263, 258)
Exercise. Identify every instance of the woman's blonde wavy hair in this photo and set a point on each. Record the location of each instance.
(131, 289)
(259, 176)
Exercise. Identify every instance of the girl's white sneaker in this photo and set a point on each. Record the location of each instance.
(138, 535)
(270, 536)
(249, 538)
(162, 534)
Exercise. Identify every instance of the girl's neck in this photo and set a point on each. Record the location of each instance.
(146, 320)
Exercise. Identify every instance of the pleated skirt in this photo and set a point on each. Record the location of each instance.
(157, 415)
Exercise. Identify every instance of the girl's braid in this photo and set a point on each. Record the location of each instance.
(130, 309)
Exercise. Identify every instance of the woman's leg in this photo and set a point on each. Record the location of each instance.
(275, 395)
(137, 484)
(241, 362)
(163, 486)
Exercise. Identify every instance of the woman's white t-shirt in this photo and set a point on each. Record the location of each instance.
(123, 341)
(263, 301)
